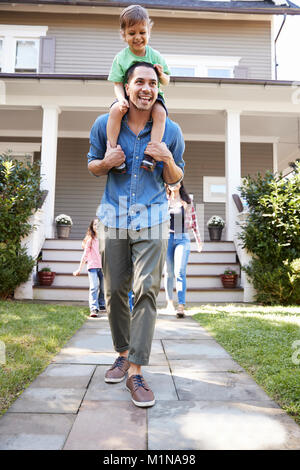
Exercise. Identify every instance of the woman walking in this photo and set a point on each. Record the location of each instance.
(182, 218)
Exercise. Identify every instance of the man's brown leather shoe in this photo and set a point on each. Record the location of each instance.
(117, 371)
(141, 394)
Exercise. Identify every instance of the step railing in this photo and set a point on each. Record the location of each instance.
(243, 254)
(33, 244)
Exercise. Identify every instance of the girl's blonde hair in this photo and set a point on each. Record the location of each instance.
(132, 15)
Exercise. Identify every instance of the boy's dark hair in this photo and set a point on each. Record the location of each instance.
(131, 69)
(132, 15)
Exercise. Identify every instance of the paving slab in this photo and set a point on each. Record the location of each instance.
(85, 351)
(220, 386)
(48, 400)
(89, 341)
(158, 377)
(64, 376)
(22, 431)
(114, 425)
(96, 322)
(172, 329)
(210, 425)
(194, 349)
(205, 365)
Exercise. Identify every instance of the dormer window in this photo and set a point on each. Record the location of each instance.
(19, 48)
(202, 66)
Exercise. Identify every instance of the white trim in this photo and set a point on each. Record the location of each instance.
(20, 148)
(202, 63)
(273, 47)
(10, 34)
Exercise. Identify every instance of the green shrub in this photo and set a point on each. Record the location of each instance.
(20, 196)
(16, 267)
(272, 235)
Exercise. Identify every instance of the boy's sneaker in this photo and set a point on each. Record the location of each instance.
(102, 308)
(117, 371)
(94, 314)
(141, 393)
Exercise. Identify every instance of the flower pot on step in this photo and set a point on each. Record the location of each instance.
(46, 278)
(229, 281)
(215, 233)
(63, 231)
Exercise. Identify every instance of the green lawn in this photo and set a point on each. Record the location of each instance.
(33, 334)
(261, 340)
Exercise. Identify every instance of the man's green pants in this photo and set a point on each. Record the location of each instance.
(133, 260)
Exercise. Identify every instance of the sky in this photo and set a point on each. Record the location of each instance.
(288, 47)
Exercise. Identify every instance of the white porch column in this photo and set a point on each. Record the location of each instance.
(232, 167)
(48, 164)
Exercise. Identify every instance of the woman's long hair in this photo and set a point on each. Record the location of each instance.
(90, 232)
(183, 194)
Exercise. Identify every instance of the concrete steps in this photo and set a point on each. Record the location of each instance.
(203, 273)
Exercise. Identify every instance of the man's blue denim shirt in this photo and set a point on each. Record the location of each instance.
(137, 198)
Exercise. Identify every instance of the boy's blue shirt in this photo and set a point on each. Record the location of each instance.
(136, 199)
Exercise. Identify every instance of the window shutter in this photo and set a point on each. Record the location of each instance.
(241, 72)
(47, 55)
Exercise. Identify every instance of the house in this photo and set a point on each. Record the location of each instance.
(237, 119)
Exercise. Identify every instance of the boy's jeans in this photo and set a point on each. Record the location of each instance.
(178, 251)
(96, 292)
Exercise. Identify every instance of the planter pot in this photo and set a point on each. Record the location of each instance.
(45, 278)
(63, 231)
(229, 281)
(215, 233)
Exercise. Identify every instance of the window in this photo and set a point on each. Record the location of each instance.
(214, 189)
(202, 66)
(219, 73)
(26, 55)
(19, 48)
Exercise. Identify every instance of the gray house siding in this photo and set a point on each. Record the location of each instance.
(87, 44)
(78, 193)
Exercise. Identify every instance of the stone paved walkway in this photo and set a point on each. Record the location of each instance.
(204, 400)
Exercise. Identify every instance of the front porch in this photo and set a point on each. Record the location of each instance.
(231, 128)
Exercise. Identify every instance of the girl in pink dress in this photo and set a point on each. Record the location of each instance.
(92, 257)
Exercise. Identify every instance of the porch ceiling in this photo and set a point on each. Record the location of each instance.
(269, 112)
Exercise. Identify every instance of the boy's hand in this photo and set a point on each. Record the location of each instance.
(76, 273)
(159, 69)
(123, 105)
(114, 156)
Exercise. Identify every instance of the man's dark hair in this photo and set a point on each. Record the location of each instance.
(131, 69)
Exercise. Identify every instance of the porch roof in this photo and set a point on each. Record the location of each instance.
(275, 7)
(174, 79)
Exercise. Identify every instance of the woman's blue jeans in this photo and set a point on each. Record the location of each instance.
(179, 248)
(96, 292)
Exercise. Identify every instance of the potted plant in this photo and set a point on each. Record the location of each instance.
(46, 277)
(215, 226)
(229, 278)
(63, 225)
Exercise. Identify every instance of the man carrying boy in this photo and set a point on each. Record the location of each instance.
(134, 224)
